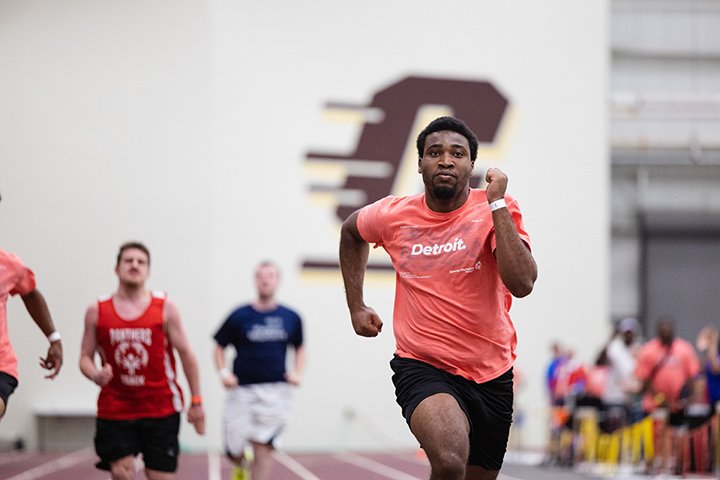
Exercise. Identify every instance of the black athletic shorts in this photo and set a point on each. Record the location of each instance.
(488, 406)
(8, 384)
(674, 419)
(155, 438)
(677, 419)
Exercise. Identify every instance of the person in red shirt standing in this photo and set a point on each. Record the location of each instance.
(17, 279)
(460, 255)
(135, 333)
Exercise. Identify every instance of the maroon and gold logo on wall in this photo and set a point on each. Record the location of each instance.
(385, 158)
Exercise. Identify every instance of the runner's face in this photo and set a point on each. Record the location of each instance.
(133, 268)
(267, 279)
(446, 166)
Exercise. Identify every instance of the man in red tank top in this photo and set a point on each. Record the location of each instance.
(135, 333)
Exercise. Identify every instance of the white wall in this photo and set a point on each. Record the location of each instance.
(186, 124)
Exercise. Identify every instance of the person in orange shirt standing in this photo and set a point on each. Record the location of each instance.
(17, 279)
(460, 255)
(665, 366)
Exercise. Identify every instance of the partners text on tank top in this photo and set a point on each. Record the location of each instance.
(144, 382)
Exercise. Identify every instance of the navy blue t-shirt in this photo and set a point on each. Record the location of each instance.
(260, 340)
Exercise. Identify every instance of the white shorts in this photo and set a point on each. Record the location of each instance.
(257, 413)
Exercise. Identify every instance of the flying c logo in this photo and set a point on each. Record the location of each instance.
(385, 158)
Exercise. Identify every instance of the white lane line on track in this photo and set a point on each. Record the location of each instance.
(294, 466)
(506, 477)
(213, 466)
(373, 466)
(61, 463)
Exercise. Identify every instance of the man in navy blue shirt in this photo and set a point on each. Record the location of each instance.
(258, 400)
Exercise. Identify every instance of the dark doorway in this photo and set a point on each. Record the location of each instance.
(681, 271)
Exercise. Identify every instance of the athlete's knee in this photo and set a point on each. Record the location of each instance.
(123, 469)
(2, 408)
(448, 464)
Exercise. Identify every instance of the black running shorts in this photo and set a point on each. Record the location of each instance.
(8, 384)
(155, 438)
(488, 405)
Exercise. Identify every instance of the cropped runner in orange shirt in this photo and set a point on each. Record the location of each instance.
(17, 279)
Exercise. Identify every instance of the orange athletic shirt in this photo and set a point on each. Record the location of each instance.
(144, 381)
(451, 307)
(15, 279)
(680, 365)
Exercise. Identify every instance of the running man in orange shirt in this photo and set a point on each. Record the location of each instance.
(17, 279)
(460, 255)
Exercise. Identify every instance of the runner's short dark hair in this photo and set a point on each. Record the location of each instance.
(451, 124)
(129, 245)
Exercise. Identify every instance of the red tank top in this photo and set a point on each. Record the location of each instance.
(144, 381)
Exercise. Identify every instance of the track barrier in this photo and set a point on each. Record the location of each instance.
(648, 444)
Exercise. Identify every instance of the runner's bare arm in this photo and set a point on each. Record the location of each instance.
(516, 265)
(89, 346)
(37, 308)
(228, 378)
(354, 251)
(294, 377)
(178, 339)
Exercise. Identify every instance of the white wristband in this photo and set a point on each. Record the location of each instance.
(497, 204)
(224, 373)
(53, 337)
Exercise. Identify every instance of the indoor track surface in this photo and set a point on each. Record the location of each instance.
(400, 465)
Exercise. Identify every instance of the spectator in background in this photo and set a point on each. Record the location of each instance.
(707, 345)
(621, 384)
(559, 415)
(558, 357)
(666, 364)
(596, 382)
(571, 380)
